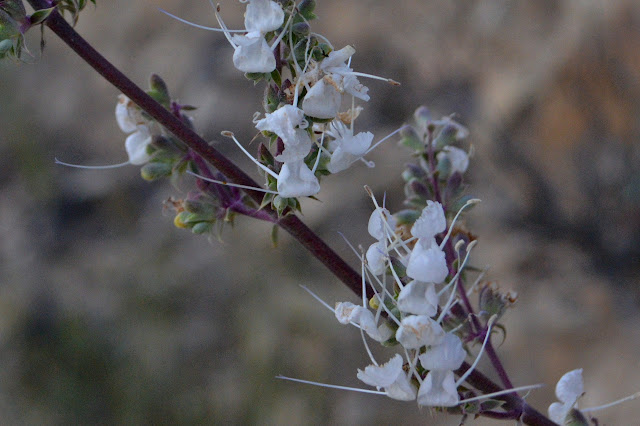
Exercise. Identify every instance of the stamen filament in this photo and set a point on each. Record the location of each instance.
(224, 27)
(235, 185)
(80, 166)
(375, 77)
(315, 296)
(502, 392)
(383, 139)
(202, 27)
(611, 404)
(262, 166)
(467, 204)
(324, 385)
(461, 380)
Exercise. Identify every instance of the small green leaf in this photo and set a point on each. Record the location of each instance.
(41, 15)
(491, 404)
(275, 76)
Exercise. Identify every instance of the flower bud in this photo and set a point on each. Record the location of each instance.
(155, 170)
(447, 136)
(493, 302)
(411, 140)
(179, 220)
(415, 187)
(321, 51)
(306, 8)
(202, 228)
(423, 118)
(159, 91)
(199, 207)
(454, 187)
(413, 171)
(301, 29)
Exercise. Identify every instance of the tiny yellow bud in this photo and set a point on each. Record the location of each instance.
(374, 303)
(177, 221)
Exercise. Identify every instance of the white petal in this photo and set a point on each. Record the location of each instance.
(570, 387)
(263, 16)
(358, 144)
(253, 54)
(376, 226)
(448, 355)
(297, 180)
(418, 298)
(322, 101)
(383, 375)
(337, 59)
(297, 148)
(136, 146)
(427, 262)
(402, 389)
(347, 312)
(341, 160)
(355, 88)
(368, 324)
(385, 332)
(416, 331)
(438, 390)
(431, 221)
(558, 412)
(283, 122)
(124, 116)
(376, 258)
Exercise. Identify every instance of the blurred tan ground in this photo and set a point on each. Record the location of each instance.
(108, 314)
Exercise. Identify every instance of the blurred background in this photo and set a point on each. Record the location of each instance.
(109, 314)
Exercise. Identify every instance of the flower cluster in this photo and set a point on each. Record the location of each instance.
(205, 209)
(414, 318)
(309, 132)
(413, 280)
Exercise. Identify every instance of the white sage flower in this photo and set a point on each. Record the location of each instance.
(130, 120)
(391, 377)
